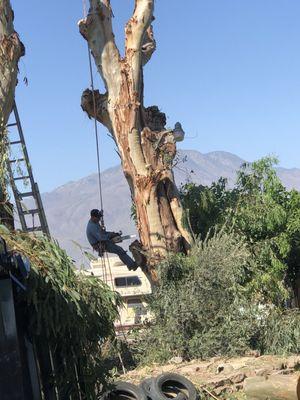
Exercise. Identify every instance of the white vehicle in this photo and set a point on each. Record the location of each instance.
(133, 286)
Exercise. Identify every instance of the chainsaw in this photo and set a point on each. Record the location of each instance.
(119, 237)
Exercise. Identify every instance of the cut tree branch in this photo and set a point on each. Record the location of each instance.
(96, 28)
(102, 114)
(148, 46)
(136, 29)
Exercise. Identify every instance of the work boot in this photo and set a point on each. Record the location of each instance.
(133, 267)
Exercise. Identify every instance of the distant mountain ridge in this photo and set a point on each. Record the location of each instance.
(67, 207)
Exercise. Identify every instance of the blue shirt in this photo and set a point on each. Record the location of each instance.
(95, 233)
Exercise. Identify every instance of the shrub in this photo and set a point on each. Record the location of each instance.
(200, 309)
(280, 333)
(265, 214)
(203, 308)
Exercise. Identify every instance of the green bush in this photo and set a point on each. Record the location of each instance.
(200, 308)
(203, 308)
(280, 333)
(260, 210)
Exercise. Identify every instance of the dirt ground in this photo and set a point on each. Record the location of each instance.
(222, 377)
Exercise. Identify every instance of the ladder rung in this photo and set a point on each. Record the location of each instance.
(25, 194)
(13, 124)
(17, 160)
(28, 212)
(15, 142)
(36, 228)
(19, 178)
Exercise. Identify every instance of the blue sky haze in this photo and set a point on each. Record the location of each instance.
(227, 69)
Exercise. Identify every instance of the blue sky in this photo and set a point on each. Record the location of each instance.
(227, 69)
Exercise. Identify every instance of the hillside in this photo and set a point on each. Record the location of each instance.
(68, 206)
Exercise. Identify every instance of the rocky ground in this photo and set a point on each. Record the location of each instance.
(220, 377)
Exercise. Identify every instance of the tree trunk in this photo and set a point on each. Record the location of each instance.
(274, 387)
(11, 49)
(147, 149)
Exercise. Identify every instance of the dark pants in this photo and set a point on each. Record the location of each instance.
(111, 247)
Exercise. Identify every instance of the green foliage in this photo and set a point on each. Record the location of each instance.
(133, 214)
(281, 332)
(72, 312)
(260, 210)
(3, 166)
(229, 294)
(206, 205)
(200, 309)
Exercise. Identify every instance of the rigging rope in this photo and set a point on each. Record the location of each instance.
(103, 261)
(95, 120)
(96, 131)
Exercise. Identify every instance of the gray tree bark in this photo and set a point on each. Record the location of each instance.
(11, 49)
(147, 149)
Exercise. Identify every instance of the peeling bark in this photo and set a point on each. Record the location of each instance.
(147, 149)
(11, 49)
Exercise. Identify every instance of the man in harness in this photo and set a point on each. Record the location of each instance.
(102, 241)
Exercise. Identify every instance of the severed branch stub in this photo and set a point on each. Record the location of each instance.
(102, 114)
(147, 149)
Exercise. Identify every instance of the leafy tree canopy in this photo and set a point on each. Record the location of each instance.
(264, 213)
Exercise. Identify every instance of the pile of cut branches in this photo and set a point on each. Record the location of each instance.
(75, 314)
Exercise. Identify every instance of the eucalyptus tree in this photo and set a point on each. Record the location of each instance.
(146, 147)
(11, 49)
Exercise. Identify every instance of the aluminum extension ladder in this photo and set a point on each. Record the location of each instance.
(27, 215)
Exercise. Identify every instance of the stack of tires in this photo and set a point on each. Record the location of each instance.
(164, 387)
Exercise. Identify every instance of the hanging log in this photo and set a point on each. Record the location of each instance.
(274, 387)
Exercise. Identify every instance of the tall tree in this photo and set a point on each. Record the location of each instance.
(266, 215)
(147, 149)
(11, 49)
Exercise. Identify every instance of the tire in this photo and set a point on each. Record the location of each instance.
(124, 391)
(169, 385)
(145, 385)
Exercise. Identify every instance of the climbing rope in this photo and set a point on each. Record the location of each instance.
(104, 263)
(95, 120)
(96, 132)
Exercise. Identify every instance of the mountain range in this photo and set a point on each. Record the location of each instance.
(67, 207)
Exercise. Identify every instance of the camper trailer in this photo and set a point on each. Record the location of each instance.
(133, 286)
